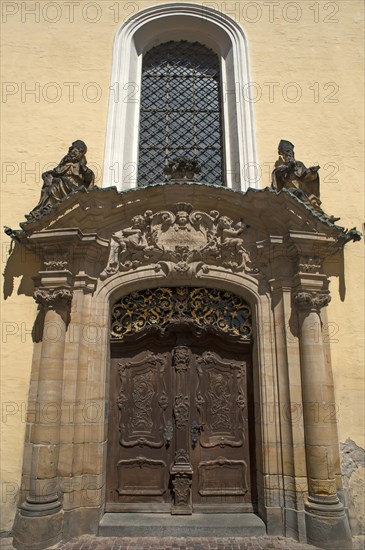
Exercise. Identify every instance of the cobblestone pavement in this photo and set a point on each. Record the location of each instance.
(250, 543)
(88, 542)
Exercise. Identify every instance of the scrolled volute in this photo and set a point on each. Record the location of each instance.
(311, 300)
(59, 298)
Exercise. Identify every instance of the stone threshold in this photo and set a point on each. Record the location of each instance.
(166, 525)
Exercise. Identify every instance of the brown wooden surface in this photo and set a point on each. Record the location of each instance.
(179, 380)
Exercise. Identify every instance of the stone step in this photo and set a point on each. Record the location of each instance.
(166, 525)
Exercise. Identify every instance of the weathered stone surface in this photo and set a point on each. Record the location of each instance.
(353, 469)
(36, 533)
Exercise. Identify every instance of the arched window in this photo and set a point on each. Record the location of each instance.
(126, 148)
(180, 112)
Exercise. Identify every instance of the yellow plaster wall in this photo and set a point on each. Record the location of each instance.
(318, 57)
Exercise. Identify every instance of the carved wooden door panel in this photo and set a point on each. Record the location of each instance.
(178, 426)
(220, 410)
(140, 429)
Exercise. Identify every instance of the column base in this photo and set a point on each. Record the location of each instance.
(36, 532)
(327, 524)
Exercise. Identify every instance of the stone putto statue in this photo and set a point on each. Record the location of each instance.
(68, 176)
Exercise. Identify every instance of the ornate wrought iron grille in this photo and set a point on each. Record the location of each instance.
(180, 111)
(218, 310)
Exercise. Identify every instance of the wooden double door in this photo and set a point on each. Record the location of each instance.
(180, 432)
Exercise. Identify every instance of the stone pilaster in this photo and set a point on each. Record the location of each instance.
(39, 521)
(326, 520)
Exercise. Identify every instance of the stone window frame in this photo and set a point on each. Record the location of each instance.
(191, 22)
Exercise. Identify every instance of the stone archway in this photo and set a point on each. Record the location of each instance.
(100, 245)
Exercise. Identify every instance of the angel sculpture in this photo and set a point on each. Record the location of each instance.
(130, 246)
(234, 254)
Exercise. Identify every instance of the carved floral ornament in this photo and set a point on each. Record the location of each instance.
(216, 310)
(311, 300)
(182, 240)
(53, 298)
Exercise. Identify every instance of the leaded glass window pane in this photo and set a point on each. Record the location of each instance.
(180, 111)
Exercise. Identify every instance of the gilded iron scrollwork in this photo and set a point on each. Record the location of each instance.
(214, 310)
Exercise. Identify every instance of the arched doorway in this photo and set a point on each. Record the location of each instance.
(180, 429)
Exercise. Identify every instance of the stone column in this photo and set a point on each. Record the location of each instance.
(39, 520)
(326, 520)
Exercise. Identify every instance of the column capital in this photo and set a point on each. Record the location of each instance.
(311, 300)
(57, 298)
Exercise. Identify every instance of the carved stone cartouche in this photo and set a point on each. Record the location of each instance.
(181, 239)
(67, 177)
(302, 182)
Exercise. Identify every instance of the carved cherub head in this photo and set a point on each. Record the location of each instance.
(138, 222)
(224, 222)
(182, 218)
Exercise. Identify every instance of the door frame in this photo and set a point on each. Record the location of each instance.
(181, 471)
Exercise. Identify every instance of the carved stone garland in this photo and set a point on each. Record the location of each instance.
(182, 239)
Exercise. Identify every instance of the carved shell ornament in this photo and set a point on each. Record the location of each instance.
(182, 239)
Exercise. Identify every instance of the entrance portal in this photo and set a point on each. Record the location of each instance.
(180, 431)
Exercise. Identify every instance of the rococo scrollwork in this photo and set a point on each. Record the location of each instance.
(181, 239)
(215, 310)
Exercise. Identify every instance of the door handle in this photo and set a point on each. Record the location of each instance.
(168, 432)
(196, 430)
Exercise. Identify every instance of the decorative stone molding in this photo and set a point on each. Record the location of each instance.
(53, 298)
(56, 261)
(182, 239)
(311, 300)
(310, 264)
(56, 265)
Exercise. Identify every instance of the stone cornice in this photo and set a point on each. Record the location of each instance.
(98, 201)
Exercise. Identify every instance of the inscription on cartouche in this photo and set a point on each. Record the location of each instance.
(182, 239)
